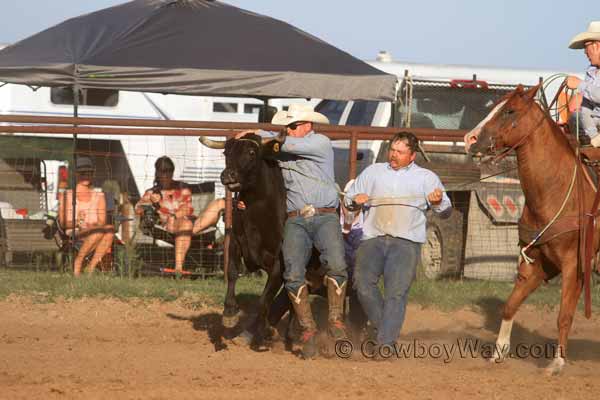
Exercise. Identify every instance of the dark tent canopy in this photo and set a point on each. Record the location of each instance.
(194, 47)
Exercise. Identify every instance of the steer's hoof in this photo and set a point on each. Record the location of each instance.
(243, 339)
(230, 321)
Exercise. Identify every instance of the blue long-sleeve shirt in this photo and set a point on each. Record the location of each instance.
(308, 173)
(590, 90)
(398, 200)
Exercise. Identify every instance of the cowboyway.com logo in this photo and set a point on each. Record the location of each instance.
(461, 348)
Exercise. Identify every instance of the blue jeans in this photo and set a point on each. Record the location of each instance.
(396, 259)
(588, 124)
(300, 234)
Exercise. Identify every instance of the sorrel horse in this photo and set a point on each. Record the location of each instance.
(557, 199)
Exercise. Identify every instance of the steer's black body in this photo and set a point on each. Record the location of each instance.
(257, 234)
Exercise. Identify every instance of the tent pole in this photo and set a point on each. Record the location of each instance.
(265, 107)
(73, 178)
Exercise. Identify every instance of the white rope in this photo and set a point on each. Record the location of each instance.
(528, 259)
(373, 201)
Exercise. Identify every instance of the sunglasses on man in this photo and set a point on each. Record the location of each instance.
(85, 173)
(295, 125)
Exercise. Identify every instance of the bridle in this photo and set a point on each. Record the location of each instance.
(497, 156)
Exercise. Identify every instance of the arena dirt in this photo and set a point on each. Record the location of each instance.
(108, 349)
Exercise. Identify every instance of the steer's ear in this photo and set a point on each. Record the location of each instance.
(271, 149)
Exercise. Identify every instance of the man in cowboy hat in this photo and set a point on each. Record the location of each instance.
(306, 161)
(587, 99)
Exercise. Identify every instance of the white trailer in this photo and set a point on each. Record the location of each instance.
(130, 159)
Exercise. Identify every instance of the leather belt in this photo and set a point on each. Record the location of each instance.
(326, 210)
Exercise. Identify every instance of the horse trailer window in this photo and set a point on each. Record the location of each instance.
(332, 109)
(252, 108)
(362, 113)
(87, 97)
(225, 107)
(448, 108)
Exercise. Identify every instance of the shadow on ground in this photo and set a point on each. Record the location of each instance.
(218, 335)
(533, 347)
(483, 338)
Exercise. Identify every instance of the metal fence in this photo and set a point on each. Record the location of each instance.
(35, 151)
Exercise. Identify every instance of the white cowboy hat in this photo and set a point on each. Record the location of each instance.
(592, 33)
(299, 112)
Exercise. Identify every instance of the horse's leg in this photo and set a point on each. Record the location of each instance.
(570, 292)
(529, 278)
(231, 310)
(274, 282)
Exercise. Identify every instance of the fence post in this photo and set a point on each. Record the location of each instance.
(353, 153)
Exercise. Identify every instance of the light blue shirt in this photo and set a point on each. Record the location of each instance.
(398, 200)
(590, 90)
(307, 167)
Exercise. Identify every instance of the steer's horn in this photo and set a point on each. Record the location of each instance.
(279, 138)
(213, 144)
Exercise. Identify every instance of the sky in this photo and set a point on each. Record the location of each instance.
(503, 33)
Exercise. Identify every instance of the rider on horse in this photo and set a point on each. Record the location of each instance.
(587, 99)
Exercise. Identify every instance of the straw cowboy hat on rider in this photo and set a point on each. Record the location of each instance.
(584, 106)
(592, 34)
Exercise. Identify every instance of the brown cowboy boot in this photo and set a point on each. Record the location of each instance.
(336, 296)
(305, 318)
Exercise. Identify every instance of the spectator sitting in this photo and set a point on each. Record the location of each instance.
(91, 229)
(173, 201)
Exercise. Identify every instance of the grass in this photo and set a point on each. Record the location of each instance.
(45, 286)
(48, 286)
(451, 295)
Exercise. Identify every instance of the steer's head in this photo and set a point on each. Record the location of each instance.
(244, 157)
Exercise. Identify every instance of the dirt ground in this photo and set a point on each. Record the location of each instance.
(108, 349)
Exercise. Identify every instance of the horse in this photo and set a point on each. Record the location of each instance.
(557, 199)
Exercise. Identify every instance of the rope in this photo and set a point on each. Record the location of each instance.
(528, 259)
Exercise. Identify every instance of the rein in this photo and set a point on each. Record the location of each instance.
(505, 153)
(499, 156)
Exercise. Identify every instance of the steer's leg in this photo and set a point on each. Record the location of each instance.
(529, 278)
(231, 311)
(570, 292)
(274, 282)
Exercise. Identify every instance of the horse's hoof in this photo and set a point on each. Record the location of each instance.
(230, 321)
(497, 358)
(555, 367)
(500, 353)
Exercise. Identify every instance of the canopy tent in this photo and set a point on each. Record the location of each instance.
(195, 47)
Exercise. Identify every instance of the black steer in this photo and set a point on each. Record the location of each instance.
(257, 233)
